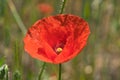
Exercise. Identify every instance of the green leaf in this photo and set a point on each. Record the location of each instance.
(4, 72)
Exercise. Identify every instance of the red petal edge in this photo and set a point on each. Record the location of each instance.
(40, 46)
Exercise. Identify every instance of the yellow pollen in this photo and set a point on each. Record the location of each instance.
(58, 50)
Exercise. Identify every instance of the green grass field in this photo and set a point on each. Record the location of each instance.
(99, 60)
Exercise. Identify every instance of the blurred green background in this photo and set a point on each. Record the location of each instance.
(100, 59)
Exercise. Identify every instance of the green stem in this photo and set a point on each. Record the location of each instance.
(60, 70)
(43, 67)
(60, 65)
(6, 76)
(63, 5)
(16, 16)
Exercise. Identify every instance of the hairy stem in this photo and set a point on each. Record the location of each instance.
(41, 72)
(60, 70)
(63, 5)
(16, 16)
(60, 65)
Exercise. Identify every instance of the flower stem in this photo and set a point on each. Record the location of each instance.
(43, 67)
(60, 65)
(60, 70)
(16, 16)
(63, 5)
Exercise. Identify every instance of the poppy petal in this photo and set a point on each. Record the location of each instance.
(57, 39)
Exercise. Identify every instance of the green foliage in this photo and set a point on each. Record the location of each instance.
(4, 72)
(2, 60)
(86, 9)
(7, 35)
(102, 52)
(17, 75)
(2, 7)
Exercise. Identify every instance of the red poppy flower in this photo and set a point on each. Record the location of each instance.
(45, 8)
(57, 39)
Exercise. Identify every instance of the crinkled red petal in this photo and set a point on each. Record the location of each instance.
(66, 31)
